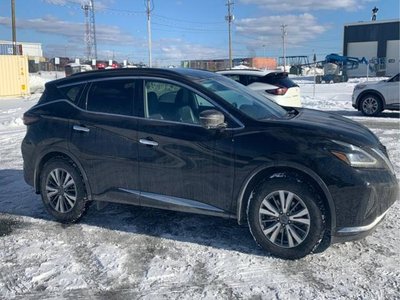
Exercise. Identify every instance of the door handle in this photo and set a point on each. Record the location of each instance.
(148, 142)
(80, 128)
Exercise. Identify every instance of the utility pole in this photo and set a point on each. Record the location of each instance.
(284, 33)
(90, 30)
(93, 25)
(149, 9)
(14, 30)
(230, 19)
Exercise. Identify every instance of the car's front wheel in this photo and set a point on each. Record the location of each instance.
(371, 105)
(62, 190)
(285, 219)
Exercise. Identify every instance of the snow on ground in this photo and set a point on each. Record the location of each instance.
(131, 252)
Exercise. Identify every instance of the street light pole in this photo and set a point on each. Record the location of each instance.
(13, 26)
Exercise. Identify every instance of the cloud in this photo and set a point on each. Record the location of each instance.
(99, 5)
(73, 32)
(308, 5)
(175, 50)
(267, 31)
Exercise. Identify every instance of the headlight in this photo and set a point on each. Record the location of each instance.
(385, 159)
(355, 156)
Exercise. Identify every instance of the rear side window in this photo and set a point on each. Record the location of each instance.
(278, 79)
(71, 93)
(112, 96)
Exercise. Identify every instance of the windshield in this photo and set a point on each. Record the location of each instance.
(242, 98)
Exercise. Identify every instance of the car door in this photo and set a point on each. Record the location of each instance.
(182, 165)
(104, 137)
(392, 91)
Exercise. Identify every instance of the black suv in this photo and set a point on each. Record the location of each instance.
(196, 141)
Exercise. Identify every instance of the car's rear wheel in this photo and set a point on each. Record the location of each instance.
(371, 105)
(63, 191)
(285, 218)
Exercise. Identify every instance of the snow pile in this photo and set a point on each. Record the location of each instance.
(38, 80)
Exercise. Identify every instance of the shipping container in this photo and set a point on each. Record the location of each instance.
(7, 49)
(14, 76)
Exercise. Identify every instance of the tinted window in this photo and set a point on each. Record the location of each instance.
(113, 96)
(394, 78)
(166, 101)
(278, 79)
(248, 102)
(72, 92)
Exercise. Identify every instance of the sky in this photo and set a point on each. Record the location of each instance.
(188, 30)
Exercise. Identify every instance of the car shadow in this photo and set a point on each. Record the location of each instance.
(19, 199)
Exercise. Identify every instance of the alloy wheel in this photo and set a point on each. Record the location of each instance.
(61, 190)
(370, 105)
(284, 219)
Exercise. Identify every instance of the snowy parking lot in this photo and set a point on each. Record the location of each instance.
(128, 252)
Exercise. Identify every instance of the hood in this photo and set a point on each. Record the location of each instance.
(369, 83)
(333, 126)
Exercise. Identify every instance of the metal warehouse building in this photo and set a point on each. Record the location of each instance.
(378, 42)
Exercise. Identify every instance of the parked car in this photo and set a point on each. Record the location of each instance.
(73, 68)
(274, 85)
(101, 64)
(371, 98)
(196, 141)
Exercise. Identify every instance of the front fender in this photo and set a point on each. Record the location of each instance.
(252, 180)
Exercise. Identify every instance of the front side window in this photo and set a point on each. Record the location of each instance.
(171, 102)
(394, 78)
(112, 96)
(242, 98)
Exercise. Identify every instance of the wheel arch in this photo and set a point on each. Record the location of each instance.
(48, 155)
(291, 169)
(370, 92)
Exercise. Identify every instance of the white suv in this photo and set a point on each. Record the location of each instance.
(274, 85)
(371, 98)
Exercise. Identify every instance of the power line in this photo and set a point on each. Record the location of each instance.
(186, 21)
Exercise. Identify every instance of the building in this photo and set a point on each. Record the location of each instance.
(223, 64)
(33, 51)
(378, 42)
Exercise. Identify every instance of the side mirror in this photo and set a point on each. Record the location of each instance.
(212, 119)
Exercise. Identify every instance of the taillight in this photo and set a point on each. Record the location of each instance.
(29, 119)
(278, 91)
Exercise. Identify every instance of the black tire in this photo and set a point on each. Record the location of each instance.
(286, 235)
(62, 190)
(318, 79)
(371, 105)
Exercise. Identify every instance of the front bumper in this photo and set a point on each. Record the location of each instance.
(346, 234)
(361, 207)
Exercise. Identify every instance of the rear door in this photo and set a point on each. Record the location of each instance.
(104, 137)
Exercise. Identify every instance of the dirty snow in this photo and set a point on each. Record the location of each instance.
(131, 252)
